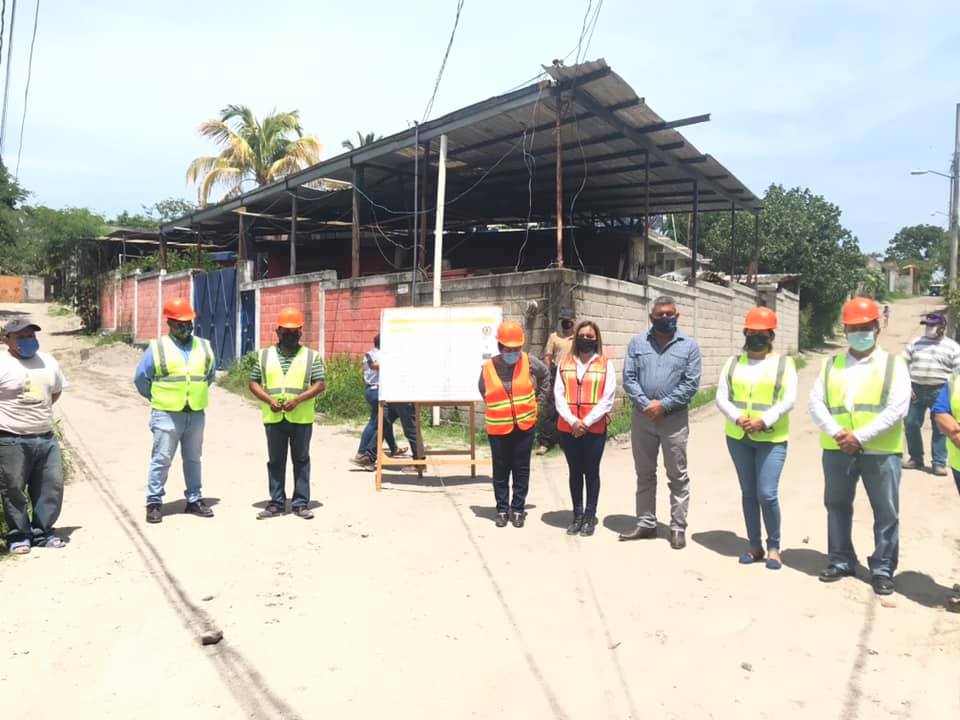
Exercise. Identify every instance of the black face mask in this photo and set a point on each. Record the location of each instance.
(289, 340)
(181, 331)
(585, 345)
(566, 324)
(757, 343)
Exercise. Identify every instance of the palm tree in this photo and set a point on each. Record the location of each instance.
(258, 151)
(367, 139)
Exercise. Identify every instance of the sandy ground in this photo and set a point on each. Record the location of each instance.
(410, 603)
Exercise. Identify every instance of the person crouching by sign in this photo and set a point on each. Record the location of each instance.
(509, 384)
(756, 392)
(946, 411)
(175, 375)
(584, 391)
(287, 379)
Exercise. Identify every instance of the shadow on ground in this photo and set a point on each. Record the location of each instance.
(177, 506)
(490, 513)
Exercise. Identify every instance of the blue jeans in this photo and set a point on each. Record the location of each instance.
(759, 465)
(368, 439)
(30, 466)
(169, 430)
(282, 436)
(881, 478)
(926, 397)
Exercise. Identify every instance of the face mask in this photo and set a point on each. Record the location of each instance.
(586, 345)
(665, 325)
(511, 358)
(757, 343)
(861, 341)
(182, 332)
(289, 340)
(566, 324)
(27, 347)
(931, 332)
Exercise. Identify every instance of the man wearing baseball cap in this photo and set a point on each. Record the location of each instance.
(931, 359)
(30, 464)
(174, 375)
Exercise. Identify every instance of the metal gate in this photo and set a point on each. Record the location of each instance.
(248, 313)
(215, 301)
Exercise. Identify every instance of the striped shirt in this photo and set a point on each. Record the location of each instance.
(317, 373)
(931, 361)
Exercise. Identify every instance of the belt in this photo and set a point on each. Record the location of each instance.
(46, 435)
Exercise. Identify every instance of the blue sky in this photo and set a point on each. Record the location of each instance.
(842, 96)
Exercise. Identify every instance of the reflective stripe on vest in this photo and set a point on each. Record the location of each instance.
(953, 452)
(504, 410)
(285, 386)
(869, 400)
(179, 382)
(755, 399)
(583, 395)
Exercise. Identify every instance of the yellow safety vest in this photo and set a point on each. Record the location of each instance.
(180, 381)
(953, 452)
(868, 402)
(754, 399)
(285, 386)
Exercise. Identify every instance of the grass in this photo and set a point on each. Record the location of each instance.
(237, 376)
(894, 296)
(104, 340)
(620, 418)
(800, 361)
(59, 311)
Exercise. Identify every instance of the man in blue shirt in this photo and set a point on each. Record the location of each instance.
(178, 397)
(661, 374)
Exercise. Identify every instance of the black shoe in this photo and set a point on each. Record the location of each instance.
(502, 519)
(518, 518)
(198, 508)
(270, 511)
(303, 512)
(577, 523)
(639, 533)
(882, 585)
(589, 524)
(153, 513)
(678, 540)
(832, 574)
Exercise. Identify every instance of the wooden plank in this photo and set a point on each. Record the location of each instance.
(473, 440)
(355, 230)
(380, 457)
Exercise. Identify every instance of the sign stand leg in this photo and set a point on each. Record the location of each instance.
(421, 450)
(379, 472)
(473, 440)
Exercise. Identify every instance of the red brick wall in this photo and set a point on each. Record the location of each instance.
(353, 318)
(147, 326)
(179, 287)
(11, 289)
(305, 297)
(108, 313)
(127, 290)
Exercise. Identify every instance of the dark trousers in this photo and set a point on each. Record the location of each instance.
(511, 455)
(296, 437)
(547, 433)
(406, 412)
(583, 459)
(30, 467)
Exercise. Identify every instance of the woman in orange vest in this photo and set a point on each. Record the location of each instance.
(585, 388)
(509, 384)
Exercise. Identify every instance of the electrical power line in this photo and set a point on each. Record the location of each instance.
(26, 92)
(443, 64)
(6, 85)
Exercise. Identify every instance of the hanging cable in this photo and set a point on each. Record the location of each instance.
(26, 92)
(443, 64)
(6, 85)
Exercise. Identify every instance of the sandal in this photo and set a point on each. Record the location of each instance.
(953, 602)
(20, 547)
(270, 511)
(401, 450)
(52, 542)
(753, 556)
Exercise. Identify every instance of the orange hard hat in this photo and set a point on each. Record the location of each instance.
(178, 309)
(510, 334)
(760, 318)
(290, 317)
(860, 310)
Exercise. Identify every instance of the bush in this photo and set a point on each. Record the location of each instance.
(237, 377)
(620, 418)
(343, 398)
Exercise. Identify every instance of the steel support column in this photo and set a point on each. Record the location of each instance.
(695, 244)
(733, 241)
(646, 219)
(559, 182)
(355, 234)
(293, 235)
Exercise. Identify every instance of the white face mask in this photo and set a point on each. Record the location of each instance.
(931, 331)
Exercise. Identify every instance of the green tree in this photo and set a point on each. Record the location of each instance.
(258, 151)
(11, 196)
(922, 245)
(362, 139)
(153, 216)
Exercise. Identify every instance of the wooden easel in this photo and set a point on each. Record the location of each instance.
(384, 461)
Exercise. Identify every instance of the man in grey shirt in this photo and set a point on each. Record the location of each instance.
(661, 374)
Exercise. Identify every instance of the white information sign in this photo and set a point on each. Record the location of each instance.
(436, 354)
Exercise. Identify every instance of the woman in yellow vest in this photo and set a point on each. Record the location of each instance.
(945, 411)
(509, 384)
(756, 391)
(584, 392)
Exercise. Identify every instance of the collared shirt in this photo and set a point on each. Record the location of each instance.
(858, 370)
(558, 348)
(27, 387)
(670, 374)
(147, 371)
(317, 373)
(932, 360)
(604, 404)
(371, 376)
(753, 371)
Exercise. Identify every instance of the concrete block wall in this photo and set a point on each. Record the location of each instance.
(148, 309)
(787, 308)
(33, 288)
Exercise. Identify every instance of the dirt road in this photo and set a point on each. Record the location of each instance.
(410, 603)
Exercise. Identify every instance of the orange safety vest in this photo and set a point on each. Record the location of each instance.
(506, 410)
(583, 395)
